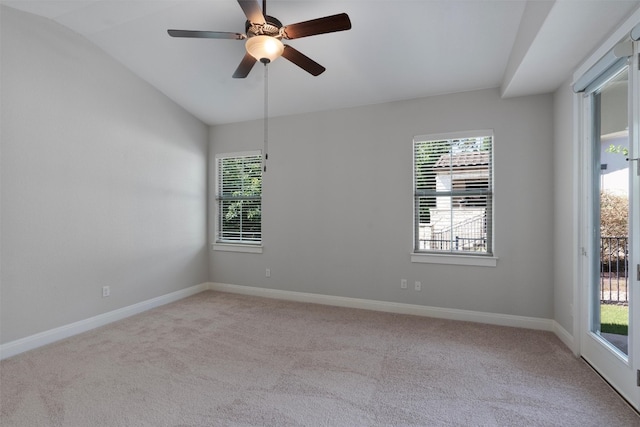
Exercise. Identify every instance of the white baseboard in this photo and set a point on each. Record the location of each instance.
(47, 337)
(565, 337)
(394, 307)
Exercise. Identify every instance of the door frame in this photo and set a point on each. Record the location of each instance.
(634, 208)
(619, 370)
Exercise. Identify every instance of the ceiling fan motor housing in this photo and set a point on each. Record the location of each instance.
(270, 28)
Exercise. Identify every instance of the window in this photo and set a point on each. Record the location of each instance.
(453, 193)
(239, 198)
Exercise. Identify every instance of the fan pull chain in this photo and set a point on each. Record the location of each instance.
(266, 118)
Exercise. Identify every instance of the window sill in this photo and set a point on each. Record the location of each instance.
(233, 247)
(473, 260)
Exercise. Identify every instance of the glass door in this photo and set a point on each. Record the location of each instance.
(610, 298)
(612, 230)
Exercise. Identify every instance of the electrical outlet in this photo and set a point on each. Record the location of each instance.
(403, 284)
(268, 272)
(418, 286)
(106, 291)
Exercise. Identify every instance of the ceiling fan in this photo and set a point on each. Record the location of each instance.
(264, 36)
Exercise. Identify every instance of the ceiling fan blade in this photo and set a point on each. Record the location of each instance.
(251, 9)
(245, 66)
(328, 24)
(206, 34)
(302, 61)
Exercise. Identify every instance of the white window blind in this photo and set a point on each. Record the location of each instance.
(239, 198)
(453, 193)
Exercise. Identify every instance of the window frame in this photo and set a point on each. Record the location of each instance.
(233, 245)
(486, 259)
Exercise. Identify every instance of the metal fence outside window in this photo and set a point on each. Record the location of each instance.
(469, 235)
(614, 269)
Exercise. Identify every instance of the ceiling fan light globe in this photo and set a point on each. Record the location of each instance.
(264, 48)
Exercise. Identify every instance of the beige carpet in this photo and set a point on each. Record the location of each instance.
(218, 359)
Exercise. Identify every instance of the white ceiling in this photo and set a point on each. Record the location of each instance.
(396, 49)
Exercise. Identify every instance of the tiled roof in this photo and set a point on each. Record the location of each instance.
(471, 158)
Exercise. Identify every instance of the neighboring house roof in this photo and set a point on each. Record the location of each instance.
(466, 159)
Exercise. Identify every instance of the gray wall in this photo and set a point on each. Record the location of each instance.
(103, 182)
(565, 163)
(338, 204)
